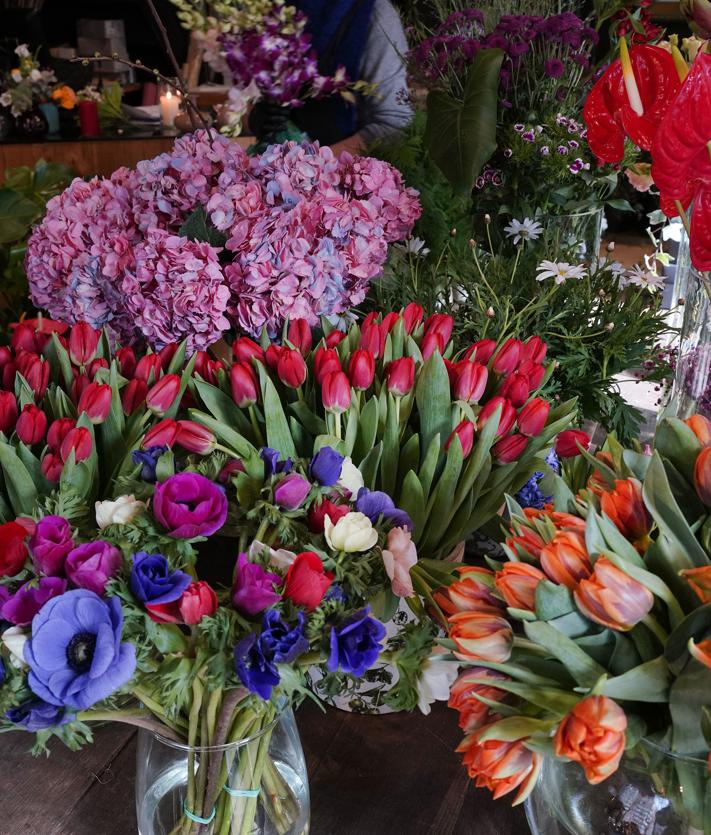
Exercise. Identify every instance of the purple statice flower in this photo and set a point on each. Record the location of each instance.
(272, 463)
(49, 545)
(554, 68)
(326, 466)
(253, 587)
(562, 150)
(75, 654)
(355, 644)
(153, 582)
(573, 144)
(528, 136)
(148, 459)
(375, 504)
(508, 153)
(291, 492)
(38, 715)
(544, 150)
(92, 564)
(519, 128)
(189, 505)
(24, 604)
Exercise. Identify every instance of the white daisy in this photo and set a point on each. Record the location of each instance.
(615, 267)
(641, 277)
(416, 246)
(559, 271)
(526, 230)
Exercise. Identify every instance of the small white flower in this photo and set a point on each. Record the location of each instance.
(618, 270)
(352, 532)
(5, 100)
(434, 682)
(416, 246)
(35, 75)
(645, 278)
(15, 639)
(526, 230)
(22, 51)
(120, 512)
(559, 271)
(280, 559)
(351, 478)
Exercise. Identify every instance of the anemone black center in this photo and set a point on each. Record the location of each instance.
(80, 652)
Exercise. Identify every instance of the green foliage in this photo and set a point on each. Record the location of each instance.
(417, 640)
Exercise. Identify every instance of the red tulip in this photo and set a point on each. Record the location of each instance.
(271, 356)
(79, 441)
(31, 425)
(197, 601)
(465, 431)
(432, 342)
(149, 368)
(95, 401)
(400, 376)
(532, 418)
(565, 558)
(534, 371)
(507, 357)
(291, 368)
(361, 369)
(335, 338)
(166, 355)
(566, 445)
(412, 316)
(83, 342)
(624, 506)
(702, 475)
(482, 351)
(164, 433)
(244, 385)
(27, 338)
(306, 581)
(194, 437)
(534, 349)
(8, 412)
(35, 370)
(318, 512)
(96, 365)
(501, 765)
(58, 431)
(326, 361)
(206, 367)
(245, 349)
(389, 321)
(515, 388)
(52, 466)
(509, 449)
(133, 396)
(507, 419)
(79, 384)
(336, 393)
(372, 338)
(593, 734)
(162, 394)
(441, 323)
(126, 361)
(470, 381)
(701, 427)
(299, 334)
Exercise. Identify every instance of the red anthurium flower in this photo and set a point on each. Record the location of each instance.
(613, 110)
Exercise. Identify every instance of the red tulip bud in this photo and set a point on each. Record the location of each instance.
(9, 372)
(482, 351)
(79, 384)
(566, 445)
(198, 601)
(318, 512)
(126, 361)
(442, 324)
(243, 382)
(83, 341)
(515, 389)
(389, 321)
(509, 449)
(336, 393)
(470, 381)
(234, 465)
(8, 412)
(465, 432)
(326, 361)
(432, 342)
(532, 418)
(195, 438)
(361, 369)
(507, 357)
(702, 475)
(31, 425)
(96, 365)
(272, 355)
(535, 349)
(372, 338)
(412, 316)
(400, 376)
(79, 440)
(291, 368)
(149, 368)
(164, 433)
(27, 338)
(534, 371)
(206, 367)
(245, 349)
(451, 371)
(507, 419)
(162, 394)
(299, 334)
(335, 338)
(58, 431)
(133, 396)
(96, 402)
(52, 466)
(166, 355)
(35, 370)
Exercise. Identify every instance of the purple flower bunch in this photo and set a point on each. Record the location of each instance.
(304, 231)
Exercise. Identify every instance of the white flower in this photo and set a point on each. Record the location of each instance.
(35, 75)
(22, 51)
(15, 639)
(351, 478)
(416, 246)
(5, 100)
(16, 75)
(119, 512)
(560, 271)
(618, 270)
(280, 559)
(526, 230)
(641, 277)
(352, 532)
(434, 682)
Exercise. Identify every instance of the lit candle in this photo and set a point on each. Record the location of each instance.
(169, 106)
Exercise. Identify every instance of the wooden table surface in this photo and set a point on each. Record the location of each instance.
(369, 775)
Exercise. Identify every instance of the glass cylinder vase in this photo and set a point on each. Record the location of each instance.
(257, 785)
(653, 792)
(575, 236)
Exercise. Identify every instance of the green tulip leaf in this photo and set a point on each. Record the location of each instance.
(433, 401)
(21, 489)
(579, 664)
(649, 682)
(677, 442)
(278, 435)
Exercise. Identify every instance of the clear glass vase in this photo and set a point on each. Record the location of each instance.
(253, 786)
(653, 792)
(575, 236)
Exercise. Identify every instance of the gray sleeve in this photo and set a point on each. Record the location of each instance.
(385, 114)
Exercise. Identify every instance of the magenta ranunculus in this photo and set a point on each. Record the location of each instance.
(291, 492)
(50, 544)
(189, 505)
(30, 598)
(93, 564)
(253, 589)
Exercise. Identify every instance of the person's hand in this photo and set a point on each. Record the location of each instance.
(354, 145)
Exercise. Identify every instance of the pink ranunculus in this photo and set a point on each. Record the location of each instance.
(399, 557)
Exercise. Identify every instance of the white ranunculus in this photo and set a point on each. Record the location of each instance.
(15, 639)
(435, 681)
(119, 512)
(351, 478)
(352, 532)
(280, 559)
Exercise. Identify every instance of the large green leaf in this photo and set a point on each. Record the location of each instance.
(16, 215)
(460, 135)
(21, 489)
(433, 402)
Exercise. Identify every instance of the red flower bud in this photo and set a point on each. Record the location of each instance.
(400, 376)
(166, 355)
(206, 367)
(245, 349)
(27, 338)
(13, 550)
(6, 357)
(432, 342)
(79, 384)
(534, 371)
(306, 581)
(482, 351)
(162, 394)
(31, 425)
(361, 369)
(58, 431)
(412, 316)
(507, 357)
(451, 370)
(326, 361)
(318, 512)
(133, 396)
(509, 449)
(299, 334)
(507, 419)
(164, 433)
(566, 445)
(372, 338)
(149, 368)
(96, 365)
(197, 601)
(35, 370)
(335, 338)
(79, 441)
(465, 432)
(470, 381)
(126, 361)
(96, 402)
(535, 349)
(8, 412)
(194, 437)
(532, 418)
(336, 393)
(243, 382)
(272, 355)
(442, 324)
(291, 368)
(515, 389)
(52, 466)
(9, 372)
(389, 321)
(234, 465)
(83, 341)
(702, 475)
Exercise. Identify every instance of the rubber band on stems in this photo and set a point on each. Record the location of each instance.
(241, 792)
(196, 818)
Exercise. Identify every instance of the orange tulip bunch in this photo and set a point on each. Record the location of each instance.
(586, 637)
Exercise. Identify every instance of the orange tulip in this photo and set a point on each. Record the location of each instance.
(624, 506)
(612, 598)
(65, 97)
(701, 427)
(597, 482)
(516, 582)
(528, 543)
(702, 475)
(501, 766)
(700, 581)
(467, 691)
(473, 592)
(480, 636)
(593, 734)
(565, 559)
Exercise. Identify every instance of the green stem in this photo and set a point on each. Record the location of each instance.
(262, 530)
(255, 426)
(192, 738)
(177, 724)
(656, 629)
(139, 719)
